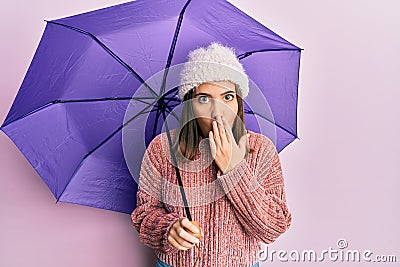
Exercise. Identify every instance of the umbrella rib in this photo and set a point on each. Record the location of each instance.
(140, 99)
(265, 118)
(109, 51)
(242, 56)
(158, 116)
(173, 44)
(173, 113)
(169, 106)
(143, 111)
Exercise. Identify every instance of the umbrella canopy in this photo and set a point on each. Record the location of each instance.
(69, 114)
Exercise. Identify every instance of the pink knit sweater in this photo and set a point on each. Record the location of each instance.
(236, 210)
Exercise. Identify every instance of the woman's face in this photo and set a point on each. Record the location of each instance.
(213, 99)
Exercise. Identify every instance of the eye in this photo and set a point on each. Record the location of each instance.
(229, 97)
(202, 99)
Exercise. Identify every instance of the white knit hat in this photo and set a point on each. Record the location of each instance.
(211, 64)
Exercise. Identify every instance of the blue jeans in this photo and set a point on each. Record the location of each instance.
(160, 263)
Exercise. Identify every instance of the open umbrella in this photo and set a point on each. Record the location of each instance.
(69, 114)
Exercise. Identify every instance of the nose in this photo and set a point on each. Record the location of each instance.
(217, 108)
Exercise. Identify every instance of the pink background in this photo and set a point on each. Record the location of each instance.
(342, 178)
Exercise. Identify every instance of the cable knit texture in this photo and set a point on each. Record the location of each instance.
(236, 210)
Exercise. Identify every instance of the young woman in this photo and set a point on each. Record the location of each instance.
(232, 177)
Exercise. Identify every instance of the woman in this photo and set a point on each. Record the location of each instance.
(235, 188)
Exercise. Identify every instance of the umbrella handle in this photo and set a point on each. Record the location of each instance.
(198, 235)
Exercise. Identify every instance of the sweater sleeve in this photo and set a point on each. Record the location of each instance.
(257, 194)
(150, 218)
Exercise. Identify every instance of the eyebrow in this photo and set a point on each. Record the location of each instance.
(210, 95)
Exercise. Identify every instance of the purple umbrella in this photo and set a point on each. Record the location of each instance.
(68, 116)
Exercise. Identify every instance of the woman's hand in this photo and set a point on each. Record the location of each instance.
(180, 238)
(225, 151)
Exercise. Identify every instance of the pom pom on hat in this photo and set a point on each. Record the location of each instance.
(211, 64)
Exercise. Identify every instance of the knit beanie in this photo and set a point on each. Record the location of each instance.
(211, 64)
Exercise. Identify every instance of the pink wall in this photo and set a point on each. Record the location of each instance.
(342, 177)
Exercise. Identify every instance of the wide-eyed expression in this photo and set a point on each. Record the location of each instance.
(213, 99)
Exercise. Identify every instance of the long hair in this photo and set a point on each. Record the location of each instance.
(188, 139)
